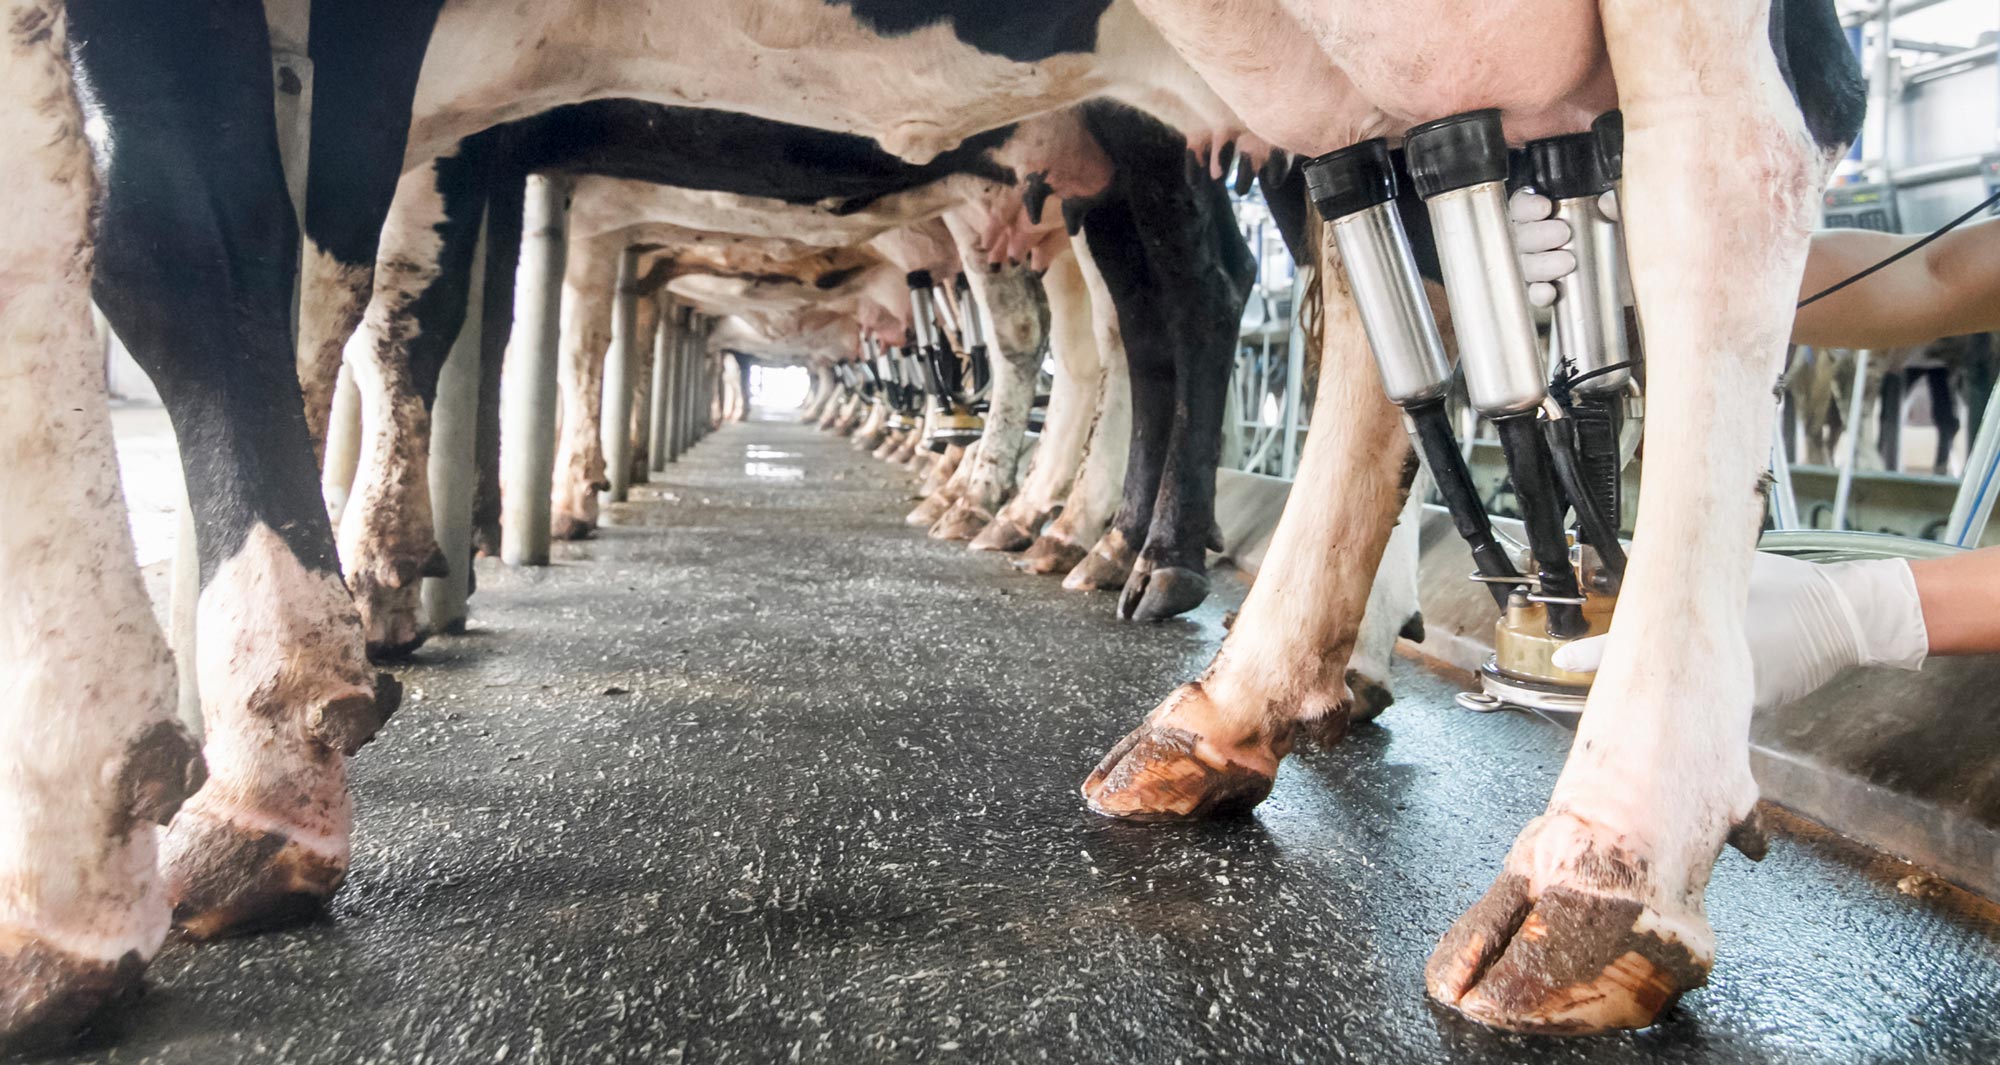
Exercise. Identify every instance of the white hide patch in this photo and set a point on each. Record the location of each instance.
(386, 532)
(801, 61)
(1095, 495)
(84, 670)
(276, 642)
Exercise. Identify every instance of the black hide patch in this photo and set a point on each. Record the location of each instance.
(1025, 31)
(718, 151)
(1821, 70)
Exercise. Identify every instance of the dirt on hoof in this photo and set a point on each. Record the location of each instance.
(1567, 963)
(961, 523)
(47, 996)
(928, 512)
(570, 527)
(1050, 555)
(1159, 594)
(346, 723)
(400, 646)
(1105, 568)
(1156, 774)
(1368, 698)
(1002, 535)
(228, 878)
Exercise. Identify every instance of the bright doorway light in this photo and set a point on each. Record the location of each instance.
(779, 387)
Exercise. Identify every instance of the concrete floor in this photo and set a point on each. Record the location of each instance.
(760, 774)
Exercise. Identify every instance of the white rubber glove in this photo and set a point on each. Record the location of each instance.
(1809, 621)
(1541, 242)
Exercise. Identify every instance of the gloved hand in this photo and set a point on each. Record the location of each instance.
(1542, 241)
(1808, 621)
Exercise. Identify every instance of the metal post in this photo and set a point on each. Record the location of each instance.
(184, 599)
(1974, 505)
(663, 367)
(1850, 444)
(1295, 376)
(454, 464)
(690, 385)
(677, 386)
(528, 379)
(615, 426)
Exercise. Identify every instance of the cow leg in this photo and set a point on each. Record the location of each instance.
(91, 757)
(387, 541)
(1072, 405)
(1167, 246)
(646, 326)
(1094, 497)
(1213, 746)
(1597, 920)
(1014, 305)
(503, 254)
(286, 690)
(940, 502)
(588, 281)
(1944, 415)
(366, 57)
(934, 481)
(1113, 233)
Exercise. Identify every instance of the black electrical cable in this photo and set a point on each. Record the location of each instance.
(1935, 234)
(1572, 382)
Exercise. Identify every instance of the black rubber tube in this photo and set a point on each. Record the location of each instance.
(1447, 465)
(1529, 464)
(1598, 532)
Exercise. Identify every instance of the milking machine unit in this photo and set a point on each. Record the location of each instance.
(1559, 426)
(953, 420)
(896, 389)
(972, 327)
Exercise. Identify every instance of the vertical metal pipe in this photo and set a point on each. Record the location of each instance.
(615, 426)
(454, 464)
(1974, 505)
(1850, 449)
(1784, 501)
(663, 369)
(1295, 377)
(528, 380)
(184, 601)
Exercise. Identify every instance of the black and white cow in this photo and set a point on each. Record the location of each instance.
(195, 258)
(1733, 113)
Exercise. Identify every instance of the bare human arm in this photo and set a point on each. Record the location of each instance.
(1961, 601)
(1949, 288)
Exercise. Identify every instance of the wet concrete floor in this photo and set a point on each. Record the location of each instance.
(760, 774)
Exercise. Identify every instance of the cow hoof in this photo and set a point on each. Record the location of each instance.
(962, 522)
(1367, 698)
(1002, 534)
(47, 995)
(227, 877)
(392, 629)
(1576, 954)
(570, 527)
(1105, 568)
(1158, 594)
(928, 512)
(1051, 554)
(1178, 767)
